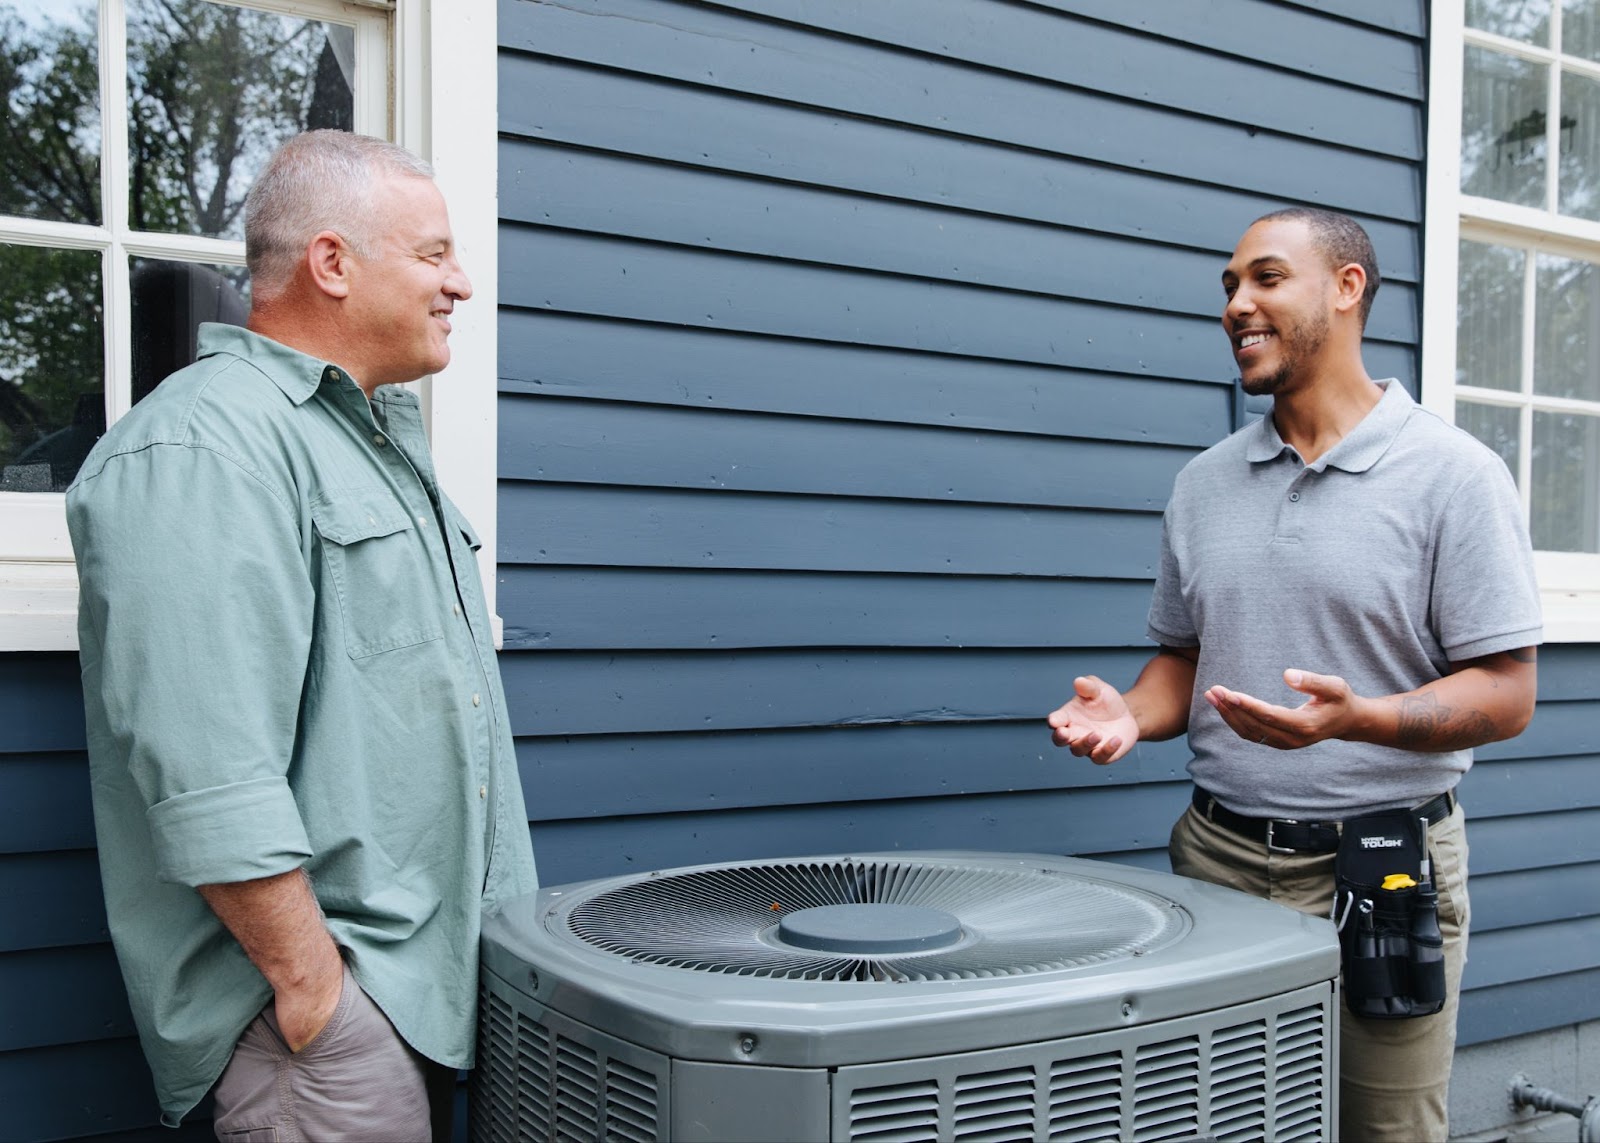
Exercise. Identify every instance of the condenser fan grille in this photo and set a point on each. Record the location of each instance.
(741, 919)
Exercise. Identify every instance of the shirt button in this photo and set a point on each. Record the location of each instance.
(483, 791)
(379, 439)
(423, 520)
(455, 609)
(476, 700)
(1294, 496)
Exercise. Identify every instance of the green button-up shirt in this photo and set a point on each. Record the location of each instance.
(287, 662)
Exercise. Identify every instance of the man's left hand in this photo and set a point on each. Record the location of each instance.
(1331, 711)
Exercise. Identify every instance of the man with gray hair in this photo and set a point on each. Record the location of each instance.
(304, 784)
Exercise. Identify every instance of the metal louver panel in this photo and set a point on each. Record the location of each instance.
(1301, 1051)
(1086, 1098)
(1013, 921)
(631, 1109)
(494, 1080)
(1166, 1094)
(577, 1092)
(995, 1107)
(533, 1083)
(897, 1113)
(1238, 1077)
(1210, 1076)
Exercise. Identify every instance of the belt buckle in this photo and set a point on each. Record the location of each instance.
(1273, 848)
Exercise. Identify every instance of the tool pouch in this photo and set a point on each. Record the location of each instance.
(1390, 944)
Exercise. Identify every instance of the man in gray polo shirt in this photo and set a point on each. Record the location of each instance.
(1346, 606)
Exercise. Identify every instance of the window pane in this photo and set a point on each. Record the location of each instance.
(1525, 20)
(1489, 316)
(212, 90)
(52, 365)
(1494, 425)
(1579, 192)
(1566, 360)
(1503, 127)
(1580, 28)
(1566, 482)
(170, 300)
(50, 98)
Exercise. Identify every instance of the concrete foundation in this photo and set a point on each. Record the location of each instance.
(1566, 1060)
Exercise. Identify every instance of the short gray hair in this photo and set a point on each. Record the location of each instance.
(321, 180)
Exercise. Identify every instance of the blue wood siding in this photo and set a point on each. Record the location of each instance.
(846, 355)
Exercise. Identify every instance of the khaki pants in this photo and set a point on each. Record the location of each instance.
(357, 1080)
(1394, 1075)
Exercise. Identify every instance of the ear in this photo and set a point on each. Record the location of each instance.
(329, 264)
(1350, 284)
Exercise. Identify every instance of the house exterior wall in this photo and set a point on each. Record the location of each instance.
(847, 353)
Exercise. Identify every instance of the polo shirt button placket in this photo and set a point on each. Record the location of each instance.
(1294, 497)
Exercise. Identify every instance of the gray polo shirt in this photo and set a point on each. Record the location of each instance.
(1400, 551)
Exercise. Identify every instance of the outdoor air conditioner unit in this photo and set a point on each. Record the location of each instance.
(898, 997)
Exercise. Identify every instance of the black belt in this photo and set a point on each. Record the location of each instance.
(1286, 835)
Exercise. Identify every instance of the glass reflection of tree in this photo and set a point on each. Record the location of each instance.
(1567, 364)
(211, 90)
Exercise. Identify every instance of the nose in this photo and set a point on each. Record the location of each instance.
(458, 285)
(1238, 305)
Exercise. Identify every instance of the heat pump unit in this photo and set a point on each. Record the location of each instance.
(898, 997)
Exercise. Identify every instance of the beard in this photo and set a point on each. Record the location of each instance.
(1300, 341)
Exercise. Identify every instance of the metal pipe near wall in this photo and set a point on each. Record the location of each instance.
(1525, 1094)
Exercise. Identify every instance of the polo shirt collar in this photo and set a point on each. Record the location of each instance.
(297, 374)
(1361, 447)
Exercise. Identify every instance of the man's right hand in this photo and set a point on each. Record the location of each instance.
(304, 1008)
(1095, 723)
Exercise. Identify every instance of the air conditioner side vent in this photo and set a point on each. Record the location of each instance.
(995, 1107)
(896, 1113)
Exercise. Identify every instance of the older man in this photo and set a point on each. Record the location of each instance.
(1346, 607)
(304, 785)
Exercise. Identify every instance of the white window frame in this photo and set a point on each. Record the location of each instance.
(1569, 582)
(438, 99)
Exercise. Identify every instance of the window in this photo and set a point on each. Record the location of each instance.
(1512, 313)
(133, 130)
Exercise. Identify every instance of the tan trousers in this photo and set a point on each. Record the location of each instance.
(357, 1080)
(1394, 1075)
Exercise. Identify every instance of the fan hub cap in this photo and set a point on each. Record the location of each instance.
(870, 929)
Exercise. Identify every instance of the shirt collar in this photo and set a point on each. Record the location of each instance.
(1361, 447)
(297, 374)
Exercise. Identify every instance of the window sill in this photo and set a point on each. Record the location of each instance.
(39, 606)
(1571, 616)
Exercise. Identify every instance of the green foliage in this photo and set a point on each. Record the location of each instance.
(212, 89)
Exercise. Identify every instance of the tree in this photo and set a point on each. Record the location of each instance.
(212, 89)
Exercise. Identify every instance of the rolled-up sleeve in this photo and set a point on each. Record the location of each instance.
(195, 614)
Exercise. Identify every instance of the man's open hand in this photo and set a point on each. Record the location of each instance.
(1095, 723)
(1331, 711)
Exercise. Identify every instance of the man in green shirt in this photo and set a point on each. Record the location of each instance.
(304, 784)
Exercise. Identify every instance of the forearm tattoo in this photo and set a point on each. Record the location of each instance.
(1427, 724)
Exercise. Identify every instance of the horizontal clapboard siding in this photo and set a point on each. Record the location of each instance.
(848, 353)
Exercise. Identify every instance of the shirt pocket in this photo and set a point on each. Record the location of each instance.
(379, 570)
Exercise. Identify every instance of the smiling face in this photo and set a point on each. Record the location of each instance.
(1281, 300)
(401, 302)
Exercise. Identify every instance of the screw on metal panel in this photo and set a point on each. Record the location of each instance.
(747, 1044)
(1127, 1008)
(533, 981)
